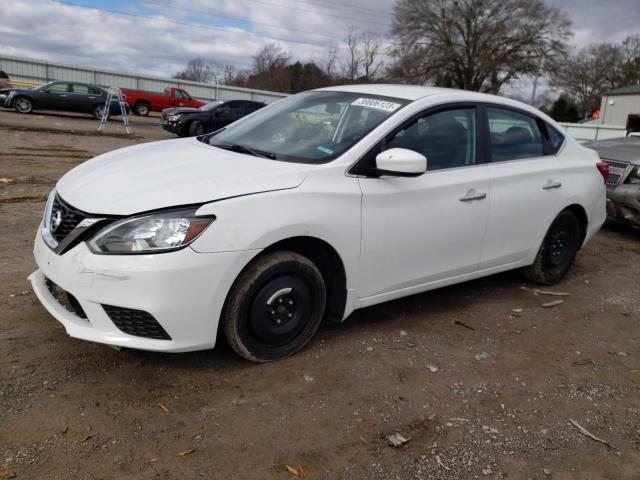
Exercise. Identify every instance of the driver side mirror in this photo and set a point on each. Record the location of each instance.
(400, 162)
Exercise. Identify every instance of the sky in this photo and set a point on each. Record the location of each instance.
(158, 37)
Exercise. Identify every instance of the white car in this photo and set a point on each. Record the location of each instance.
(317, 205)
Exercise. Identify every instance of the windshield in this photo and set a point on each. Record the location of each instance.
(45, 85)
(312, 127)
(210, 106)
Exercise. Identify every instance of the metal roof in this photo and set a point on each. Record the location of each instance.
(628, 90)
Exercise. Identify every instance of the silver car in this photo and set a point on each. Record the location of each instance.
(623, 185)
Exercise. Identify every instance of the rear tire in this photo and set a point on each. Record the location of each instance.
(142, 109)
(196, 129)
(557, 252)
(97, 111)
(274, 307)
(23, 105)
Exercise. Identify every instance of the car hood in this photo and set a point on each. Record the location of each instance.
(624, 149)
(176, 110)
(171, 173)
(16, 89)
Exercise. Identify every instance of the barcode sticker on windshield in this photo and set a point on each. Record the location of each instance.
(375, 103)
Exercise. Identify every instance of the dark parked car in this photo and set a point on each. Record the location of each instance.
(64, 96)
(190, 122)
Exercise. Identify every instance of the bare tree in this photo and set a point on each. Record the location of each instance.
(370, 57)
(271, 57)
(328, 61)
(362, 60)
(475, 44)
(198, 70)
(352, 60)
(588, 73)
(230, 75)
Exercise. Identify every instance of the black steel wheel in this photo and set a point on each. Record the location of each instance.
(275, 307)
(557, 252)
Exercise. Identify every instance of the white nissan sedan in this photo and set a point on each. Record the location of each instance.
(322, 203)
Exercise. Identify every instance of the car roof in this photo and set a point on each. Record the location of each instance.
(406, 92)
(415, 92)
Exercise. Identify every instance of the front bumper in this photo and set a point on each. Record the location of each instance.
(184, 291)
(172, 127)
(623, 203)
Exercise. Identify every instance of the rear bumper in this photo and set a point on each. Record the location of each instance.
(183, 291)
(623, 204)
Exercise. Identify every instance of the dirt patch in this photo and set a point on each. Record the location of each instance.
(55, 131)
(480, 378)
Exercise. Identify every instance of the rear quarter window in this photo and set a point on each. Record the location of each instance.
(556, 139)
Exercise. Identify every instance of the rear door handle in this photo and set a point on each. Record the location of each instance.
(473, 195)
(551, 184)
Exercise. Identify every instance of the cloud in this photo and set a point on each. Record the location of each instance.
(160, 40)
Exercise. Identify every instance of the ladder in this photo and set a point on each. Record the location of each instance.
(114, 95)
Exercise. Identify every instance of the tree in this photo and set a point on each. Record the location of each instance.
(328, 61)
(362, 60)
(370, 57)
(590, 72)
(270, 58)
(564, 110)
(198, 70)
(475, 44)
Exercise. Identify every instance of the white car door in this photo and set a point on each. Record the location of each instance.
(419, 230)
(526, 187)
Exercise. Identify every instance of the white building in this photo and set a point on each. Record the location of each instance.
(618, 104)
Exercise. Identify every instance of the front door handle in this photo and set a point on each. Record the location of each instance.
(551, 184)
(473, 195)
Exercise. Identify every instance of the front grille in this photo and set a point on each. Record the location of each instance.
(64, 218)
(613, 179)
(64, 298)
(136, 322)
(620, 165)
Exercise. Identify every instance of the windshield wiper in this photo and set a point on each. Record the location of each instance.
(243, 149)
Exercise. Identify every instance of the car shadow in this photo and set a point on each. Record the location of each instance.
(628, 231)
(445, 301)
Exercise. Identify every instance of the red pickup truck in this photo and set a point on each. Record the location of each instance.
(143, 102)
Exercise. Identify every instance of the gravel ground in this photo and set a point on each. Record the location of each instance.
(479, 391)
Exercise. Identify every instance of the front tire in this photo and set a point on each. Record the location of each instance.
(23, 105)
(274, 307)
(196, 128)
(557, 252)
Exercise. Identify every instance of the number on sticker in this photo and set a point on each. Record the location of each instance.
(375, 103)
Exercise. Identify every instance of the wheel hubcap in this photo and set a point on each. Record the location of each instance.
(280, 310)
(22, 105)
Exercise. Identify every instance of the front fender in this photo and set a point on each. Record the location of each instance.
(329, 211)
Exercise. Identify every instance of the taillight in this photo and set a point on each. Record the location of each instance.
(603, 168)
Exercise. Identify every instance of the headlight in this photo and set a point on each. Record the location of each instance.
(152, 233)
(173, 118)
(634, 176)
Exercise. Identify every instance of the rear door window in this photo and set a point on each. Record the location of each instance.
(81, 89)
(513, 135)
